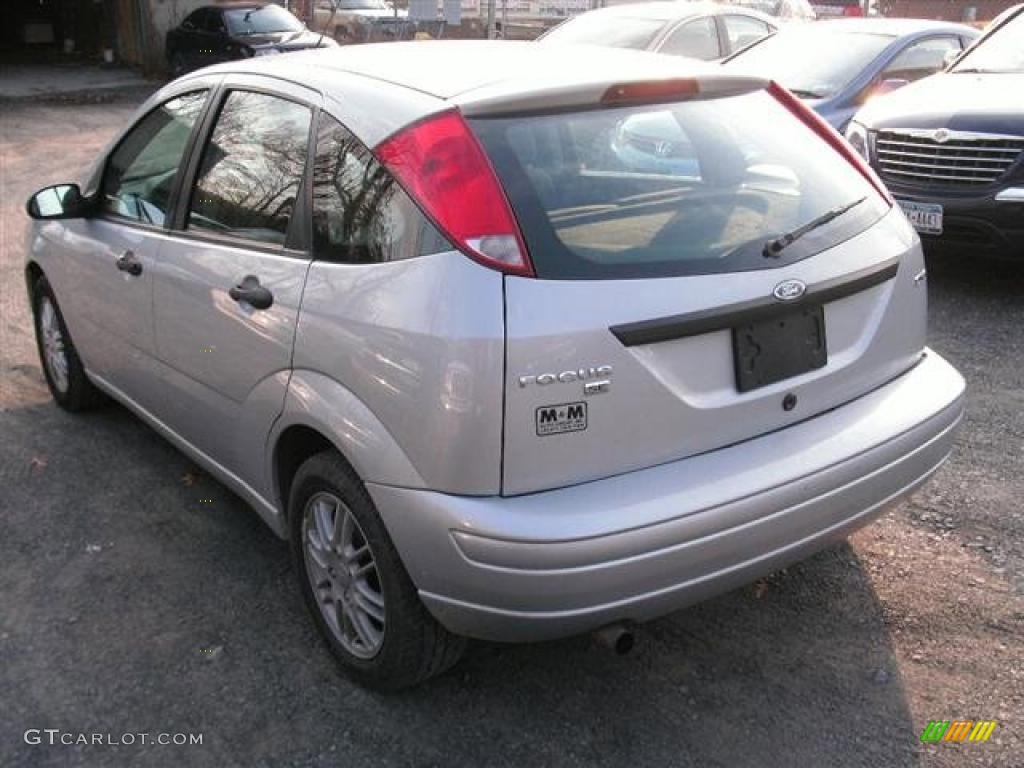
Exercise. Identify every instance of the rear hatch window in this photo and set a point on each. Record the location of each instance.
(691, 188)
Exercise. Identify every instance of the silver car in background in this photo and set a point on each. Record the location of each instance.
(698, 30)
(491, 375)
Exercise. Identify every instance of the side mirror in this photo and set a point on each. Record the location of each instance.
(949, 57)
(61, 201)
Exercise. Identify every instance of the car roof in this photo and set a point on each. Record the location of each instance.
(673, 10)
(379, 88)
(445, 69)
(893, 27)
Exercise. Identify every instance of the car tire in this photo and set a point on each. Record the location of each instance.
(365, 605)
(62, 368)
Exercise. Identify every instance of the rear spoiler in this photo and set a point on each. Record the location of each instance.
(598, 94)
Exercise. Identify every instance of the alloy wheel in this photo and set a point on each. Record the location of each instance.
(55, 355)
(343, 574)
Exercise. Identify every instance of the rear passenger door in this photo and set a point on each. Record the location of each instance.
(227, 286)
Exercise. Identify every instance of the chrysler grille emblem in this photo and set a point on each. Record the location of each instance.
(941, 136)
(789, 290)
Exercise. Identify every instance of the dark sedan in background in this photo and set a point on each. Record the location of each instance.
(227, 31)
(838, 65)
(951, 147)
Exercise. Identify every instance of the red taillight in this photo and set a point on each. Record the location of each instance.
(812, 120)
(441, 164)
(853, 10)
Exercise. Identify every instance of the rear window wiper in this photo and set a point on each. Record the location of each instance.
(774, 247)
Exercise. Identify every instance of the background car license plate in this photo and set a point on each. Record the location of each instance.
(926, 217)
(780, 347)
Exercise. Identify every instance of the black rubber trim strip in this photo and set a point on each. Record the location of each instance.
(723, 318)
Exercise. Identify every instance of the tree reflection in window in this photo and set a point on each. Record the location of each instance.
(360, 214)
(251, 169)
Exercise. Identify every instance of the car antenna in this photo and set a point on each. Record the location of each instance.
(334, 10)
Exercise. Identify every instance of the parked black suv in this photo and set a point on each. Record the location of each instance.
(951, 147)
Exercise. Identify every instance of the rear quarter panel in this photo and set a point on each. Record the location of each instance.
(420, 345)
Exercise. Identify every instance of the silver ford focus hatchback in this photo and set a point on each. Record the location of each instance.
(510, 341)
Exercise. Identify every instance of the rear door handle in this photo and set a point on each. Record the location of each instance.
(127, 262)
(252, 293)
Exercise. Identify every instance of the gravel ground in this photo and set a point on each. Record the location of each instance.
(138, 595)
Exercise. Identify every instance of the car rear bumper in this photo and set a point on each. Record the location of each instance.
(991, 225)
(640, 545)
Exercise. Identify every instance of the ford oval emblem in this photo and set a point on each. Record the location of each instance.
(789, 290)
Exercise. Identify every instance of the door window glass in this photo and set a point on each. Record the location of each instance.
(743, 30)
(251, 168)
(921, 59)
(697, 39)
(142, 170)
(360, 214)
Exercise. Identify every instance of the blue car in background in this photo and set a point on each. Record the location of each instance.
(838, 65)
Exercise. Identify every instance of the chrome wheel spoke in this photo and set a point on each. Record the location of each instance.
(318, 574)
(316, 548)
(334, 616)
(364, 569)
(343, 532)
(367, 634)
(370, 603)
(352, 555)
(325, 512)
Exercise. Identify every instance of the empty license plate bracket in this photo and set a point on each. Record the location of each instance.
(785, 345)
